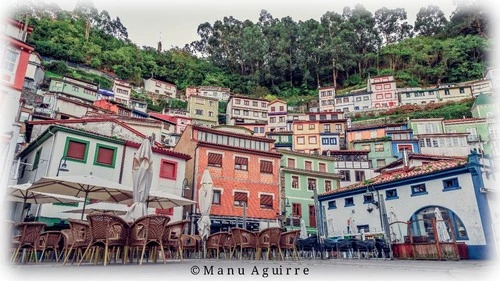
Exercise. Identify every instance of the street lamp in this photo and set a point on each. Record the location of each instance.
(287, 205)
(384, 222)
(62, 166)
(319, 222)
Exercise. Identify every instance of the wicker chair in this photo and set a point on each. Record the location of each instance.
(49, 241)
(267, 239)
(81, 236)
(243, 239)
(145, 232)
(68, 241)
(29, 238)
(288, 242)
(216, 242)
(189, 245)
(108, 232)
(172, 235)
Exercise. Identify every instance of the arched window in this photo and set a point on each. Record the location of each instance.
(424, 226)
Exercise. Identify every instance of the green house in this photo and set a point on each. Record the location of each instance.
(74, 87)
(301, 173)
(381, 152)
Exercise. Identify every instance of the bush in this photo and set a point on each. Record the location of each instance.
(58, 67)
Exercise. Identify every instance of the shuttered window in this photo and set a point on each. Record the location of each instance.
(291, 163)
(241, 163)
(105, 155)
(168, 169)
(214, 159)
(322, 167)
(266, 167)
(239, 198)
(76, 149)
(266, 201)
(308, 165)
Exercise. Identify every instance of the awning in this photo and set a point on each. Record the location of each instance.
(107, 93)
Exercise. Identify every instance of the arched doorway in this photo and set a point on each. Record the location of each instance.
(424, 225)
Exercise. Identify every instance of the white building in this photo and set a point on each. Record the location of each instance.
(122, 91)
(34, 73)
(326, 98)
(220, 93)
(158, 90)
(85, 153)
(411, 193)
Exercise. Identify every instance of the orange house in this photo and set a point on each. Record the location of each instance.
(244, 170)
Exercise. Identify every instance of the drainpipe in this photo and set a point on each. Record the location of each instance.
(194, 191)
(123, 161)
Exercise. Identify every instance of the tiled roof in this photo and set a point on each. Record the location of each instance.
(401, 174)
(231, 134)
(164, 117)
(422, 157)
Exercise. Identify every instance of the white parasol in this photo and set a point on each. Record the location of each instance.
(441, 228)
(142, 176)
(205, 196)
(303, 230)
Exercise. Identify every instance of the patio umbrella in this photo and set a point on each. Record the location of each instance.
(88, 187)
(303, 230)
(205, 196)
(142, 175)
(441, 228)
(21, 193)
(159, 200)
(118, 209)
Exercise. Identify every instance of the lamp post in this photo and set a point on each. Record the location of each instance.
(384, 221)
(62, 166)
(286, 205)
(319, 221)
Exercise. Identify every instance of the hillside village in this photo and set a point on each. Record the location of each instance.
(270, 163)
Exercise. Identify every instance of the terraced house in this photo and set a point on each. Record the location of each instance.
(203, 110)
(301, 175)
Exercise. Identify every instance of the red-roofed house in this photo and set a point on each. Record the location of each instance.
(455, 186)
(244, 170)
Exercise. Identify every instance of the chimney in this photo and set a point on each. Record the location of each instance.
(406, 160)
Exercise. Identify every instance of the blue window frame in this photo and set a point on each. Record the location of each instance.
(349, 201)
(332, 204)
(418, 189)
(450, 184)
(324, 141)
(333, 140)
(368, 199)
(261, 130)
(391, 194)
(255, 129)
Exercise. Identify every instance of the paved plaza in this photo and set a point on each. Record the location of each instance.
(210, 269)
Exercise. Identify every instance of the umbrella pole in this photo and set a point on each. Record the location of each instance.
(84, 203)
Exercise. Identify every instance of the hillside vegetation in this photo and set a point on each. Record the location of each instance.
(275, 57)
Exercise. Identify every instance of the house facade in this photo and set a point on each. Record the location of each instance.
(244, 170)
(417, 96)
(122, 91)
(282, 140)
(34, 73)
(74, 87)
(219, 93)
(383, 89)
(203, 110)
(326, 98)
(158, 90)
(352, 165)
(450, 92)
(412, 193)
(242, 109)
(277, 116)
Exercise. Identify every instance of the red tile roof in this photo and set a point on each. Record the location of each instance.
(164, 117)
(401, 174)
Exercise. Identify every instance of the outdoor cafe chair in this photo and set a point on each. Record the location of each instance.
(109, 232)
(29, 238)
(244, 240)
(216, 242)
(68, 241)
(189, 245)
(172, 235)
(49, 241)
(268, 239)
(78, 241)
(147, 232)
(288, 242)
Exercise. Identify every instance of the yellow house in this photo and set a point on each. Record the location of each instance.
(306, 136)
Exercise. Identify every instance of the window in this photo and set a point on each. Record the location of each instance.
(272, 120)
(379, 147)
(295, 182)
(255, 114)
(358, 98)
(261, 130)
(332, 204)
(333, 141)
(391, 194)
(366, 98)
(214, 159)
(462, 91)
(240, 198)
(9, 64)
(299, 127)
(273, 109)
(388, 96)
(37, 159)
(324, 141)
(198, 111)
(296, 210)
(311, 184)
(349, 201)
(24, 116)
(255, 129)
(241, 163)
(282, 108)
(346, 175)
(380, 163)
(328, 185)
(266, 201)
(237, 101)
(211, 113)
(322, 167)
(380, 96)
(291, 163)
(312, 140)
(308, 165)
(300, 140)
(450, 184)
(446, 92)
(407, 147)
(359, 175)
(263, 104)
(255, 103)
(366, 147)
(216, 197)
(246, 102)
(418, 189)
(327, 128)
(368, 198)
(282, 119)
(311, 126)
(168, 169)
(76, 150)
(245, 112)
(266, 167)
(105, 155)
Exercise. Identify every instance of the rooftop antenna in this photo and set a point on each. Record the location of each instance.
(159, 44)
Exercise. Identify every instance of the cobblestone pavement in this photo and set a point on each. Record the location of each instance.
(211, 269)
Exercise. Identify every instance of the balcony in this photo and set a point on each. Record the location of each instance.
(473, 138)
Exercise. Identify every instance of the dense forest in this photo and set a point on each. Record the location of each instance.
(272, 56)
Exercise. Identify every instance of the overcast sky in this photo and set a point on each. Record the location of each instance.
(176, 21)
